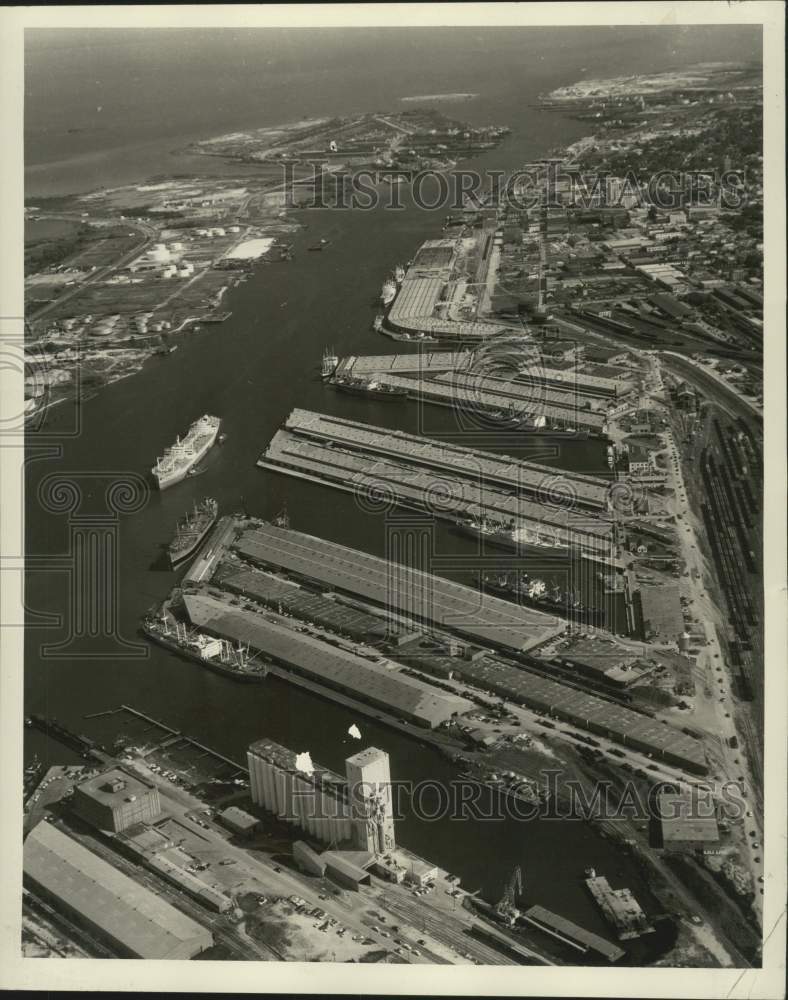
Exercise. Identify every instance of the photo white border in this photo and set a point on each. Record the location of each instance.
(127, 975)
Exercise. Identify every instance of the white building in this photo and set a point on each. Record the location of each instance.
(355, 810)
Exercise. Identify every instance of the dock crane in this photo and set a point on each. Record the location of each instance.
(506, 907)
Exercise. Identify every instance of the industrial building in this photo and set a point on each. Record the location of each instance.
(315, 802)
(424, 363)
(308, 860)
(116, 799)
(343, 868)
(568, 510)
(355, 810)
(369, 787)
(570, 933)
(379, 683)
(526, 476)
(660, 612)
(392, 585)
(686, 823)
(239, 822)
(132, 920)
(598, 715)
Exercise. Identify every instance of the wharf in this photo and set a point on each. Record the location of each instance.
(419, 363)
(524, 476)
(518, 501)
(570, 933)
(380, 683)
(418, 595)
(454, 607)
(212, 550)
(620, 908)
(530, 404)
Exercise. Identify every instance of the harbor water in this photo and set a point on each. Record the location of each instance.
(251, 371)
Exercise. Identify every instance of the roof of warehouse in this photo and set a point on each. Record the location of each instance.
(680, 819)
(100, 788)
(240, 818)
(389, 687)
(442, 453)
(662, 609)
(335, 860)
(127, 911)
(449, 604)
(580, 934)
(626, 724)
(410, 481)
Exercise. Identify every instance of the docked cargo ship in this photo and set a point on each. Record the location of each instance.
(370, 388)
(388, 292)
(533, 593)
(177, 462)
(192, 530)
(330, 362)
(510, 537)
(217, 655)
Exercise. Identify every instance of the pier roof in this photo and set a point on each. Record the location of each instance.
(582, 937)
(137, 920)
(414, 484)
(448, 604)
(518, 473)
(380, 683)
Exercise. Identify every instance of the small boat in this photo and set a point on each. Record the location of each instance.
(197, 470)
(222, 438)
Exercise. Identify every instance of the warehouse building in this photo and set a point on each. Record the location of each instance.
(308, 860)
(660, 612)
(571, 934)
(686, 822)
(591, 712)
(239, 822)
(382, 684)
(132, 920)
(343, 869)
(116, 799)
(400, 588)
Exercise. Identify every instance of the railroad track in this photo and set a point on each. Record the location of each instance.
(438, 927)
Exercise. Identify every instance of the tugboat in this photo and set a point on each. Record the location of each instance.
(377, 324)
(399, 274)
(388, 292)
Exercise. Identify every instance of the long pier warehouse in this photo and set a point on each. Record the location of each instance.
(510, 629)
(384, 686)
(397, 587)
(446, 479)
